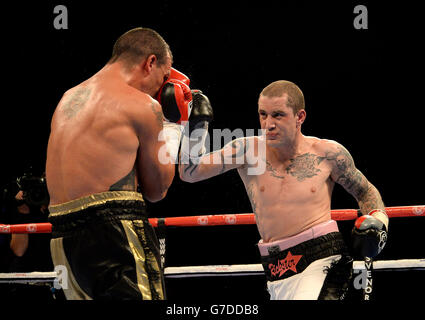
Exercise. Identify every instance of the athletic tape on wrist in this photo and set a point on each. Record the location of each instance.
(172, 134)
(381, 215)
(193, 146)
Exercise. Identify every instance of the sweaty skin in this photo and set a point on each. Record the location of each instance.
(104, 136)
(294, 192)
(294, 195)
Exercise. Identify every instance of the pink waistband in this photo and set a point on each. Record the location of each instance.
(314, 232)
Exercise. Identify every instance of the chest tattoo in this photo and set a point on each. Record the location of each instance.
(273, 171)
(301, 167)
(304, 166)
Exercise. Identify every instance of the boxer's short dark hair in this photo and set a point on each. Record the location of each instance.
(281, 87)
(139, 43)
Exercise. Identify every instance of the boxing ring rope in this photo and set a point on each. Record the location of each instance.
(220, 270)
(222, 219)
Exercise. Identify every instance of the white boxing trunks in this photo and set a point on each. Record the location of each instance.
(313, 264)
(302, 286)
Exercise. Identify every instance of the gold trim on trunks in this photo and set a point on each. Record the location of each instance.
(92, 200)
(139, 259)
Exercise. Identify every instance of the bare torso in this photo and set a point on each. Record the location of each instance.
(291, 196)
(93, 145)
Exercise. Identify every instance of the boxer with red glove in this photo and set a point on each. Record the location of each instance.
(369, 234)
(175, 98)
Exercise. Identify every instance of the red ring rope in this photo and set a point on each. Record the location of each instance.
(222, 219)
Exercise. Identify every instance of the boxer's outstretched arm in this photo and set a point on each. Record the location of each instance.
(232, 156)
(345, 173)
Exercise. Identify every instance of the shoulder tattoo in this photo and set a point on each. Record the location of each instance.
(76, 102)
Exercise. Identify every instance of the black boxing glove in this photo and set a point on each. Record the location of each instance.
(193, 141)
(369, 234)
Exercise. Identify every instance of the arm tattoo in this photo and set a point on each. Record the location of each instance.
(371, 200)
(158, 114)
(348, 176)
(192, 166)
(223, 168)
(237, 151)
(240, 146)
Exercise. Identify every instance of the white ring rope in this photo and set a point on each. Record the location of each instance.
(219, 270)
(28, 277)
(393, 265)
(214, 270)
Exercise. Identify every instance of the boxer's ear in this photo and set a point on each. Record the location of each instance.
(300, 116)
(148, 63)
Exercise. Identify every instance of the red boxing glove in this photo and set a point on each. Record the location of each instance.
(177, 75)
(174, 75)
(175, 98)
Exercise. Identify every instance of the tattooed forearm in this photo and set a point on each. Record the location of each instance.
(232, 156)
(191, 166)
(233, 153)
(236, 150)
(223, 168)
(370, 200)
(239, 148)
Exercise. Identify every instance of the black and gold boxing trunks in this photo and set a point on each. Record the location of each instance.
(108, 248)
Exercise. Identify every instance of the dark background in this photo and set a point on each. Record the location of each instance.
(363, 88)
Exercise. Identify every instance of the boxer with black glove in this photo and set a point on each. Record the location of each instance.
(369, 234)
(303, 254)
(193, 142)
(175, 98)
